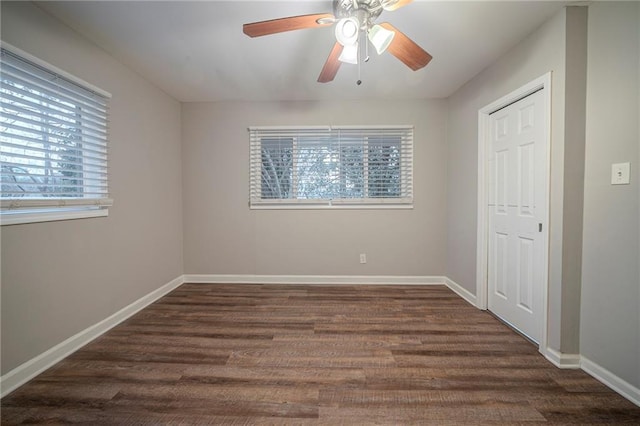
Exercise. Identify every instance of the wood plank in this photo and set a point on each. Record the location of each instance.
(303, 354)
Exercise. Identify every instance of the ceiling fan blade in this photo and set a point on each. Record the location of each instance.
(331, 66)
(405, 49)
(391, 5)
(257, 29)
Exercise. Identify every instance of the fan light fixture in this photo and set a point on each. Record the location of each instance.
(349, 54)
(347, 31)
(380, 38)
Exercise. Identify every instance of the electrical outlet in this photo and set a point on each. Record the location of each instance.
(363, 258)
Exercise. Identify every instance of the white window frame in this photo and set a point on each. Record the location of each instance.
(31, 210)
(404, 201)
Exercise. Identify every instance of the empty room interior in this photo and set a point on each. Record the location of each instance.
(320, 212)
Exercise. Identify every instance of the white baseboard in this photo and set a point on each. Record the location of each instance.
(313, 279)
(27, 371)
(619, 385)
(561, 360)
(577, 361)
(461, 291)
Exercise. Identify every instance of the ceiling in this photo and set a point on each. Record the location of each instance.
(196, 50)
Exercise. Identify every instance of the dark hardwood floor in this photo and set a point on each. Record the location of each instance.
(275, 354)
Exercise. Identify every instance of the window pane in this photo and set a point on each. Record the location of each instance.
(317, 171)
(352, 172)
(43, 146)
(277, 168)
(384, 167)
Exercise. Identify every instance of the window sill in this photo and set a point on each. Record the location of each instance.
(49, 215)
(309, 206)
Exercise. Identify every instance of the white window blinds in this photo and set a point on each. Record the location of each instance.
(345, 165)
(53, 139)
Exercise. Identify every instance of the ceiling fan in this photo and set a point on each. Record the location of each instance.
(354, 20)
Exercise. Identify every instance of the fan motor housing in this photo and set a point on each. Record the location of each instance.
(366, 11)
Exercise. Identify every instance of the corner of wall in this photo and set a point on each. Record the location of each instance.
(574, 165)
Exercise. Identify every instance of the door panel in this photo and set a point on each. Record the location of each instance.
(526, 179)
(517, 207)
(525, 273)
(502, 263)
(502, 180)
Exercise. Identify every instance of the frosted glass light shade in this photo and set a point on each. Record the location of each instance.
(349, 54)
(347, 31)
(380, 38)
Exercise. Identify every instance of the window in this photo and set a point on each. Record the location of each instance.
(343, 166)
(53, 143)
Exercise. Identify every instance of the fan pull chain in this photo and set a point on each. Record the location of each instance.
(363, 37)
(366, 49)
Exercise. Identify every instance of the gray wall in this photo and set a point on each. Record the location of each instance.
(610, 317)
(223, 236)
(541, 52)
(58, 278)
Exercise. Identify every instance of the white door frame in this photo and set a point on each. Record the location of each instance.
(484, 142)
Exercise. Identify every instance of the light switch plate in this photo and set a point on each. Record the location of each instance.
(620, 173)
